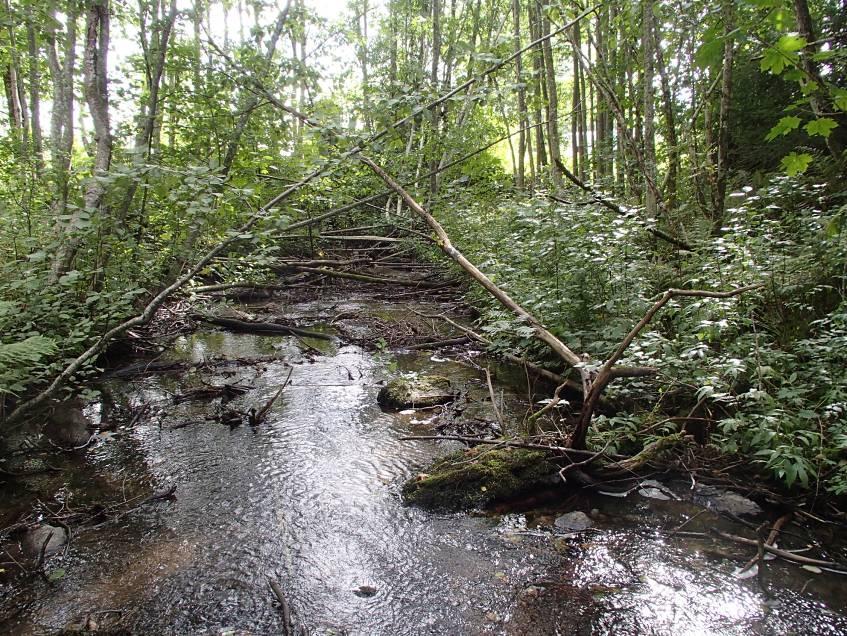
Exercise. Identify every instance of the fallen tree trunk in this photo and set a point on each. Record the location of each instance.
(226, 286)
(259, 327)
(437, 344)
(374, 279)
(595, 381)
(541, 332)
(365, 238)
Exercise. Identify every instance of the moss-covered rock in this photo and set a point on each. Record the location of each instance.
(476, 477)
(415, 392)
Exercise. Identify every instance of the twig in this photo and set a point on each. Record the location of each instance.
(258, 418)
(497, 413)
(777, 526)
(832, 566)
(43, 553)
(286, 609)
(438, 344)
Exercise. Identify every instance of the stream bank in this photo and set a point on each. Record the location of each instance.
(311, 499)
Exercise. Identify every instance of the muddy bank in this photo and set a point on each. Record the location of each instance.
(311, 498)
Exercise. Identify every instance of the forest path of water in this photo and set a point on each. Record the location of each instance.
(310, 499)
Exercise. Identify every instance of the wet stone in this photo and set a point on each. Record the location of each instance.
(34, 540)
(477, 477)
(415, 392)
(728, 502)
(68, 426)
(576, 521)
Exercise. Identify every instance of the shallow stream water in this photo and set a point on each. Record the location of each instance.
(310, 499)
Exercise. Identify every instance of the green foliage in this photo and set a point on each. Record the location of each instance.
(774, 363)
(19, 359)
(796, 163)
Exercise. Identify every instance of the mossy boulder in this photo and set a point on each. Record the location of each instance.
(477, 477)
(415, 392)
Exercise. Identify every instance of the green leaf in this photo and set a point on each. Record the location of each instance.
(709, 54)
(796, 163)
(807, 88)
(790, 43)
(840, 98)
(783, 127)
(821, 127)
(55, 575)
(773, 62)
(783, 54)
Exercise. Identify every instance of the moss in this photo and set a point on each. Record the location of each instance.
(477, 477)
(420, 391)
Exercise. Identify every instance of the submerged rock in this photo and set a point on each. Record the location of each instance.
(34, 539)
(476, 477)
(415, 392)
(68, 426)
(573, 522)
(725, 501)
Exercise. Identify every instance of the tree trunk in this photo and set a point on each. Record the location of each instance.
(523, 119)
(576, 100)
(670, 185)
(649, 93)
(553, 140)
(817, 100)
(538, 88)
(62, 111)
(435, 112)
(95, 85)
(721, 166)
(35, 94)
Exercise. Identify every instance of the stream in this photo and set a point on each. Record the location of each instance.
(310, 499)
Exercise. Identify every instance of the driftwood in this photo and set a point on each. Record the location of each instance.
(287, 627)
(322, 262)
(259, 327)
(759, 558)
(437, 344)
(257, 417)
(142, 368)
(374, 279)
(831, 566)
(226, 286)
(362, 238)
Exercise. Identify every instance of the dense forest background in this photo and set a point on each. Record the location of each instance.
(587, 158)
